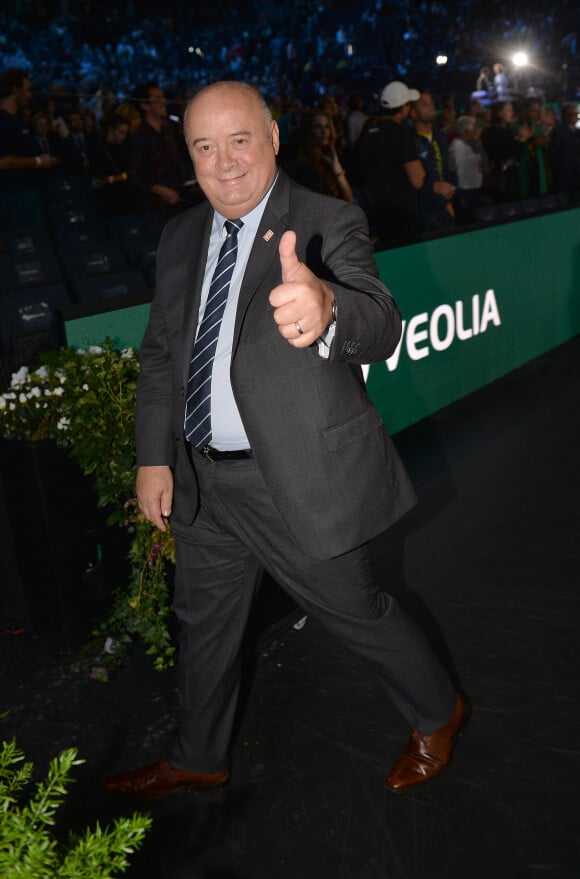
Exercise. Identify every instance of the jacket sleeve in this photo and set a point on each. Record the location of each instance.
(368, 326)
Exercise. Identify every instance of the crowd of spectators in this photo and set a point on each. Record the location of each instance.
(103, 100)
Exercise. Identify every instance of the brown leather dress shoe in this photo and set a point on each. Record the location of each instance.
(159, 780)
(426, 756)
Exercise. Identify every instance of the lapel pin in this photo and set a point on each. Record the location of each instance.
(269, 234)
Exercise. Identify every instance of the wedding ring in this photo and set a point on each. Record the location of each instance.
(299, 328)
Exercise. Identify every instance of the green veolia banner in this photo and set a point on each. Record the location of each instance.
(475, 306)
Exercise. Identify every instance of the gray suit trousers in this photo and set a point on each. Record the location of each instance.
(220, 560)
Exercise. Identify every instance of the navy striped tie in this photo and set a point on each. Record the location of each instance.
(197, 427)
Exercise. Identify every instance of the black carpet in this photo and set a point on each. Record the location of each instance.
(489, 560)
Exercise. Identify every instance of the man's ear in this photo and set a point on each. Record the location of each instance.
(275, 137)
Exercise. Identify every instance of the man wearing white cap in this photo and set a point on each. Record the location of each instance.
(391, 165)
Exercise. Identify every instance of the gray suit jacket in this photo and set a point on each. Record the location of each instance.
(318, 441)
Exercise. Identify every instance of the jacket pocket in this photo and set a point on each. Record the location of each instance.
(352, 430)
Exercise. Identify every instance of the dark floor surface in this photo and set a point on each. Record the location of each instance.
(490, 557)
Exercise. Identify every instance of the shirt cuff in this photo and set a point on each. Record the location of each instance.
(325, 342)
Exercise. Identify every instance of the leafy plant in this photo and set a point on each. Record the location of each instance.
(28, 849)
(84, 400)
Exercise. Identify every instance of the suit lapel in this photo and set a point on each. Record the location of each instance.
(264, 250)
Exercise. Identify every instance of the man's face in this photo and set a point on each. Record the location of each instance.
(233, 149)
(571, 117)
(75, 122)
(24, 94)
(320, 130)
(506, 114)
(533, 112)
(41, 126)
(119, 133)
(424, 109)
(156, 106)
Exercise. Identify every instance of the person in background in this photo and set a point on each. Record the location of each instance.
(110, 164)
(386, 155)
(484, 81)
(46, 141)
(78, 148)
(436, 193)
(504, 150)
(465, 168)
(564, 152)
(21, 160)
(155, 168)
(355, 120)
(534, 140)
(500, 81)
(319, 166)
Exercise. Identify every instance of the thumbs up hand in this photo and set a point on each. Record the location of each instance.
(302, 302)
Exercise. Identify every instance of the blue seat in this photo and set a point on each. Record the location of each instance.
(486, 213)
(90, 258)
(31, 310)
(34, 269)
(138, 235)
(25, 241)
(510, 209)
(109, 286)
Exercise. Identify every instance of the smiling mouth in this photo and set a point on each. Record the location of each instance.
(227, 180)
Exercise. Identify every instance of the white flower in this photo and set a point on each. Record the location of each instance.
(85, 387)
(19, 377)
(34, 392)
(3, 403)
(60, 375)
(58, 392)
(63, 423)
(42, 372)
(95, 349)
(22, 398)
(127, 353)
(10, 396)
(47, 392)
(12, 407)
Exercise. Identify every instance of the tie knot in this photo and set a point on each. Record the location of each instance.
(233, 226)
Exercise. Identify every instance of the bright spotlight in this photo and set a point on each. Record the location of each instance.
(441, 60)
(520, 59)
(191, 50)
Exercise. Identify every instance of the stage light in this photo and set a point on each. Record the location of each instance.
(520, 59)
(191, 50)
(441, 60)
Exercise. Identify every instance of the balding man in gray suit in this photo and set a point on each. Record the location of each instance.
(256, 437)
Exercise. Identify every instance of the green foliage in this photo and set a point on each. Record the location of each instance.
(28, 849)
(85, 401)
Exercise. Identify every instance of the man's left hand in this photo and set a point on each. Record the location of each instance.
(302, 302)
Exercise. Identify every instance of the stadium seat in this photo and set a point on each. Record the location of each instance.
(108, 286)
(486, 213)
(34, 269)
(30, 322)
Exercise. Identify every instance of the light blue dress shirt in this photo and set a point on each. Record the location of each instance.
(227, 429)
